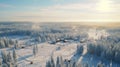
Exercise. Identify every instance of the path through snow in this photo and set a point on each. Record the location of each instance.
(83, 53)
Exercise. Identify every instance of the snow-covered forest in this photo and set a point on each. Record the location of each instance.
(58, 45)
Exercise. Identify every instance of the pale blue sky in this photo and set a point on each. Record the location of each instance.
(59, 10)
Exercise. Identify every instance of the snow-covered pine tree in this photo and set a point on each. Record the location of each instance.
(100, 65)
(16, 46)
(48, 64)
(79, 49)
(52, 63)
(0, 62)
(16, 41)
(15, 58)
(9, 58)
(111, 63)
(34, 50)
(61, 61)
(11, 42)
(2, 44)
(58, 62)
(4, 56)
(74, 64)
(6, 41)
(4, 65)
(85, 65)
(39, 39)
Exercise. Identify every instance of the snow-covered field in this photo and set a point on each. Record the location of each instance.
(45, 51)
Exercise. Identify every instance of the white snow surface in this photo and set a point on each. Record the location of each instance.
(45, 50)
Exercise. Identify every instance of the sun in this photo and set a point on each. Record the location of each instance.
(104, 5)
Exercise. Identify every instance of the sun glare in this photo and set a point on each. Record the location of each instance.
(104, 6)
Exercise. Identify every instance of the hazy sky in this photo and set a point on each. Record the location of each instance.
(60, 10)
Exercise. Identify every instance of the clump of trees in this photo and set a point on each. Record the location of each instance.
(105, 50)
(5, 42)
(68, 63)
(58, 63)
(53, 37)
(9, 59)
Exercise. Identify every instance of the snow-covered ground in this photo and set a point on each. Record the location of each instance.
(25, 56)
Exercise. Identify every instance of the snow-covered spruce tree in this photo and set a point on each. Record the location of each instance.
(61, 61)
(111, 64)
(9, 58)
(15, 58)
(58, 62)
(98, 50)
(39, 39)
(109, 54)
(34, 50)
(16, 41)
(48, 64)
(36, 46)
(66, 63)
(15, 46)
(117, 56)
(2, 44)
(79, 49)
(52, 63)
(6, 41)
(74, 64)
(91, 48)
(100, 65)
(85, 65)
(0, 62)
(70, 64)
(11, 42)
(4, 65)
(4, 56)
